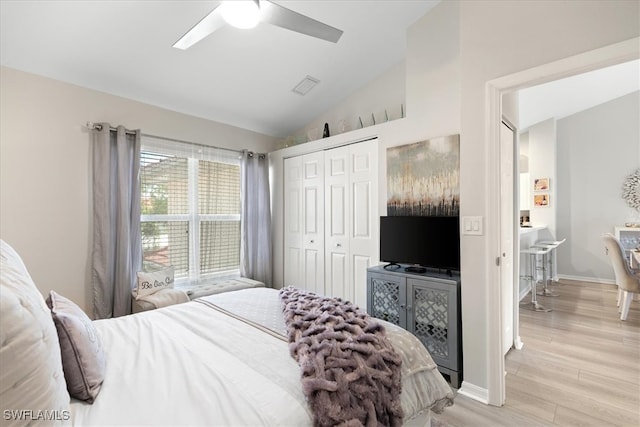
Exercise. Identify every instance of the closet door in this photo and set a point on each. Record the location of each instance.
(351, 245)
(293, 271)
(364, 243)
(338, 223)
(313, 222)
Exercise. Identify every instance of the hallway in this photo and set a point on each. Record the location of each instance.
(580, 365)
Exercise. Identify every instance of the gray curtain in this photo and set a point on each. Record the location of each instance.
(117, 251)
(255, 218)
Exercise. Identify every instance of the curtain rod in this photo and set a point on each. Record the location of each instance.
(98, 126)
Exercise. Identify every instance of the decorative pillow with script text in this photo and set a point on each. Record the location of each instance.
(152, 282)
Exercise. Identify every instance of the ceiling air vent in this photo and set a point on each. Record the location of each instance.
(305, 85)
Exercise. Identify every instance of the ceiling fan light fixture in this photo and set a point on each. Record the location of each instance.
(242, 14)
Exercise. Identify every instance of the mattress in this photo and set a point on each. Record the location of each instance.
(224, 360)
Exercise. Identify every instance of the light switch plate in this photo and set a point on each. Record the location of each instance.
(472, 225)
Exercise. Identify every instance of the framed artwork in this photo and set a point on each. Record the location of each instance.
(423, 179)
(541, 184)
(541, 200)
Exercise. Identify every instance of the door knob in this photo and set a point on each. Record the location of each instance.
(338, 245)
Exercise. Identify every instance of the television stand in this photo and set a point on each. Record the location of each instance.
(427, 305)
(415, 269)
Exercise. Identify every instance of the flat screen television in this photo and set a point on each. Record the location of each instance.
(420, 241)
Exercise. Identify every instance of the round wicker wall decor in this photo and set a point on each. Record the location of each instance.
(631, 190)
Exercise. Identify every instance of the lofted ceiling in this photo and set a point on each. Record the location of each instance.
(239, 77)
(564, 97)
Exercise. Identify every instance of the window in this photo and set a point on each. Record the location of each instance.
(190, 204)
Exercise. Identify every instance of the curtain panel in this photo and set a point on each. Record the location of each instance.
(255, 218)
(117, 252)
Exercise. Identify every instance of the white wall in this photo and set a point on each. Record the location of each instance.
(542, 164)
(524, 178)
(452, 52)
(408, 83)
(386, 93)
(45, 203)
(597, 149)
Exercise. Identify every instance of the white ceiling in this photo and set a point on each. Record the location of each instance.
(564, 97)
(240, 77)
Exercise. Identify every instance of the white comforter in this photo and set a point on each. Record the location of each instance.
(191, 364)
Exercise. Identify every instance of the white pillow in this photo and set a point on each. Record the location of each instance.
(152, 282)
(31, 377)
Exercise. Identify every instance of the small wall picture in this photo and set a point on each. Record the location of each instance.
(541, 200)
(541, 184)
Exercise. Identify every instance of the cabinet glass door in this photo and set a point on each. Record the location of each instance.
(429, 320)
(388, 299)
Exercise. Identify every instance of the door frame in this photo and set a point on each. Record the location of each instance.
(599, 58)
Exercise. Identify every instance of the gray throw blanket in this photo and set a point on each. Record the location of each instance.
(350, 371)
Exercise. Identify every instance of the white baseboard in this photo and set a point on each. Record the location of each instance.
(587, 279)
(474, 392)
(523, 292)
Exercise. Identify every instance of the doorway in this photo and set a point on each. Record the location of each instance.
(600, 58)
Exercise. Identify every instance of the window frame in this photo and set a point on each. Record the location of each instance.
(194, 153)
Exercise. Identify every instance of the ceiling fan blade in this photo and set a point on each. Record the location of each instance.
(286, 18)
(202, 29)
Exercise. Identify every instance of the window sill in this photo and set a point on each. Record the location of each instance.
(185, 285)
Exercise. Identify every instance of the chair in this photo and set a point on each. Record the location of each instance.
(547, 269)
(553, 245)
(533, 254)
(628, 280)
(551, 262)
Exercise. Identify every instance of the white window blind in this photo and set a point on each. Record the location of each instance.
(190, 202)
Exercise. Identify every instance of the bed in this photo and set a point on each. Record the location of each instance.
(219, 360)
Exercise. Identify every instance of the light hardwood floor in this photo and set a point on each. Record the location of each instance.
(580, 365)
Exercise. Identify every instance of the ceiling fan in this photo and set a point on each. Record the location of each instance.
(247, 14)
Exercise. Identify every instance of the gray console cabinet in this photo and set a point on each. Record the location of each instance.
(427, 305)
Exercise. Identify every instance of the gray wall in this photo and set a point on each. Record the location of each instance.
(597, 149)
